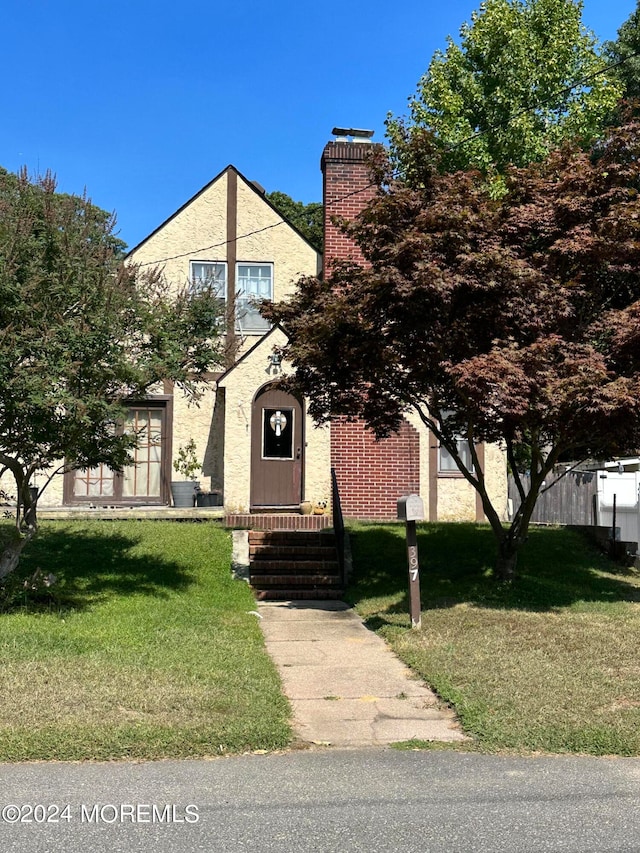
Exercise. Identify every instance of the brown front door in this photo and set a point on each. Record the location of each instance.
(276, 449)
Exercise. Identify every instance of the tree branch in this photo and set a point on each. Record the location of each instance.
(514, 468)
(564, 474)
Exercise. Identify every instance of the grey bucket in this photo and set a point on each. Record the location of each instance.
(184, 492)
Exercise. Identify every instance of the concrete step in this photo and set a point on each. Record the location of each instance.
(299, 594)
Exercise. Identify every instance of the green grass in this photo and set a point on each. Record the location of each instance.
(144, 648)
(550, 663)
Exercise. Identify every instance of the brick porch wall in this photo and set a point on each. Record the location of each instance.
(372, 474)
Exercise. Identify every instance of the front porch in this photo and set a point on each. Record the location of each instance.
(243, 521)
(277, 521)
(138, 513)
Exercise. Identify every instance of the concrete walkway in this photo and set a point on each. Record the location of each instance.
(345, 685)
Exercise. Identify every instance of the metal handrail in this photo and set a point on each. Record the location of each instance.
(338, 524)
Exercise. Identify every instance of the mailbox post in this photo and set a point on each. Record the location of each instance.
(410, 510)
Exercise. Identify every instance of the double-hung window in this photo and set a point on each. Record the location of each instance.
(254, 282)
(211, 274)
(446, 462)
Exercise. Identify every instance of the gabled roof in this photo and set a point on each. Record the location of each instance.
(245, 355)
(260, 193)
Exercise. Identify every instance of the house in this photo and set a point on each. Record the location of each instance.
(259, 449)
(228, 234)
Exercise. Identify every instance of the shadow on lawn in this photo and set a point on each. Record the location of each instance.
(90, 567)
(556, 568)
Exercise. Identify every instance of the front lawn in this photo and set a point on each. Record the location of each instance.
(145, 648)
(550, 663)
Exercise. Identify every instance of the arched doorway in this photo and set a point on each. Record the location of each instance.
(277, 449)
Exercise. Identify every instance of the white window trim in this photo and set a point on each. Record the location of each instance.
(222, 264)
(240, 298)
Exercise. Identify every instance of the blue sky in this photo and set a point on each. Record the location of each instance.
(144, 102)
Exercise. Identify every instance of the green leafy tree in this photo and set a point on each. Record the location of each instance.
(513, 321)
(501, 96)
(307, 218)
(625, 50)
(80, 334)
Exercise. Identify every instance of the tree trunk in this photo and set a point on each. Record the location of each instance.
(10, 557)
(507, 561)
(506, 567)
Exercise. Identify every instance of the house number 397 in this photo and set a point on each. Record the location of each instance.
(413, 562)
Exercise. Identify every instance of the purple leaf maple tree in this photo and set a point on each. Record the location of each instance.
(512, 320)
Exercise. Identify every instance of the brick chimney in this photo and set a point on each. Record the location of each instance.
(346, 189)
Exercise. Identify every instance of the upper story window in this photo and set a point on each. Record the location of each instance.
(254, 282)
(210, 274)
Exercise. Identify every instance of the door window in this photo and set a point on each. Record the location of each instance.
(277, 433)
(143, 478)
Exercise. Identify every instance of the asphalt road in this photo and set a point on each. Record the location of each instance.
(375, 800)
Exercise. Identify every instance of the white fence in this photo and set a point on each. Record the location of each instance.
(624, 487)
(586, 498)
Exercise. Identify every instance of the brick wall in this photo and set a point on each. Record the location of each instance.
(372, 474)
(346, 173)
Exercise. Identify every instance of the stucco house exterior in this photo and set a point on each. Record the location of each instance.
(258, 448)
(228, 234)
